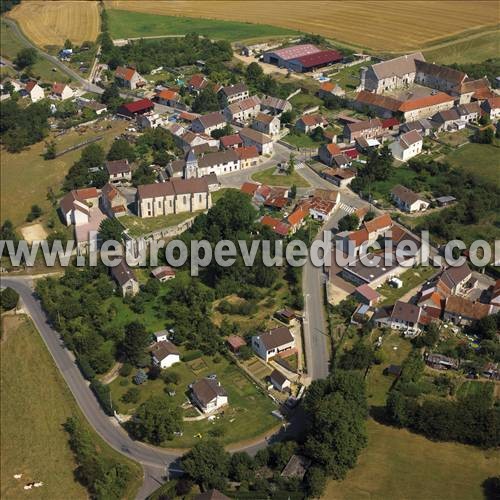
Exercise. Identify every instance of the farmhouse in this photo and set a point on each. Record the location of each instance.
(132, 109)
(172, 197)
(125, 278)
(129, 78)
(407, 200)
(113, 203)
(274, 105)
(267, 124)
(308, 123)
(208, 395)
(424, 107)
(407, 146)
(262, 142)
(390, 75)
(75, 205)
(242, 110)
(119, 170)
(381, 105)
(438, 77)
(266, 345)
(165, 354)
(478, 90)
(61, 91)
(233, 93)
(208, 123)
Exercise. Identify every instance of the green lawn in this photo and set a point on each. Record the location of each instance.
(11, 45)
(348, 78)
(303, 101)
(380, 190)
(138, 226)
(300, 140)
(247, 416)
(411, 279)
(269, 177)
(126, 24)
(26, 176)
(475, 50)
(400, 465)
(480, 159)
(470, 387)
(35, 404)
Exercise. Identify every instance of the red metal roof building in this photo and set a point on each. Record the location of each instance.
(316, 60)
(136, 108)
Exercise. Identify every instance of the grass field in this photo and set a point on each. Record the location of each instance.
(400, 465)
(26, 176)
(11, 45)
(51, 23)
(35, 403)
(126, 24)
(300, 140)
(268, 177)
(247, 416)
(470, 387)
(480, 159)
(361, 24)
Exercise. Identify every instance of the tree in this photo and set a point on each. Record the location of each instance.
(7, 234)
(140, 377)
(317, 134)
(206, 100)
(135, 341)
(485, 135)
(291, 164)
(221, 132)
(287, 117)
(68, 44)
(315, 482)
(485, 119)
(156, 420)
(254, 71)
(26, 57)
(207, 463)
(35, 212)
(8, 88)
(349, 222)
(121, 149)
(8, 299)
(293, 192)
(241, 466)
(132, 395)
(50, 152)
(111, 229)
(360, 357)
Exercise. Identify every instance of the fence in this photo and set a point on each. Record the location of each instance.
(79, 145)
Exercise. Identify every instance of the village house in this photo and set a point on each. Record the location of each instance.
(189, 140)
(423, 127)
(168, 97)
(125, 278)
(128, 77)
(262, 142)
(208, 395)
(173, 197)
(165, 354)
(368, 129)
(340, 177)
(267, 124)
(274, 105)
(408, 201)
(308, 123)
(328, 89)
(233, 93)
(407, 146)
(204, 164)
(61, 91)
(75, 206)
(327, 152)
(404, 317)
(233, 141)
(163, 273)
(321, 208)
(476, 90)
(279, 381)
(451, 281)
(197, 83)
(33, 91)
(242, 110)
(119, 171)
(249, 156)
(469, 112)
(296, 219)
(424, 107)
(462, 311)
(492, 108)
(206, 124)
(113, 202)
(448, 120)
(269, 344)
(149, 120)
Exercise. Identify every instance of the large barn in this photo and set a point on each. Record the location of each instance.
(302, 58)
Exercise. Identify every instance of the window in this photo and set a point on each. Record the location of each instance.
(200, 198)
(185, 200)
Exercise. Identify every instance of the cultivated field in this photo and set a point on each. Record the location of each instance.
(360, 24)
(400, 465)
(51, 23)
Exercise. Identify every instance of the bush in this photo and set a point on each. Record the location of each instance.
(132, 395)
(126, 369)
(191, 356)
(8, 299)
(85, 368)
(171, 378)
(124, 382)
(140, 377)
(103, 395)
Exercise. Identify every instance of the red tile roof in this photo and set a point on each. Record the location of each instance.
(235, 341)
(29, 86)
(390, 122)
(311, 120)
(297, 216)
(267, 220)
(282, 229)
(124, 73)
(249, 188)
(139, 106)
(368, 292)
(197, 81)
(425, 102)
(247, 152)
(333, 149)
(328, 86)
(231, 140)
(57, 88)
(168, 95)
(378, 223)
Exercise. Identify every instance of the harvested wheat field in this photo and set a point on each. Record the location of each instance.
(52, 22)
(379, 25)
